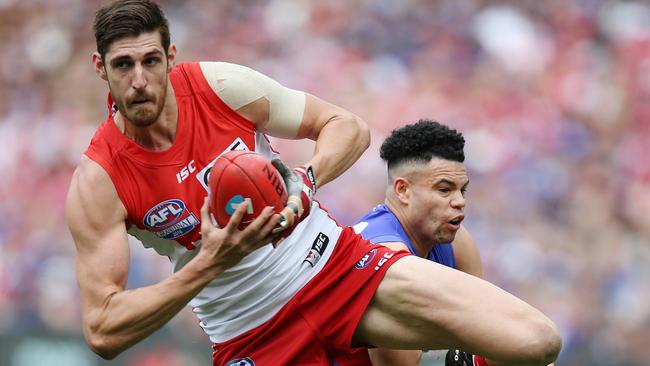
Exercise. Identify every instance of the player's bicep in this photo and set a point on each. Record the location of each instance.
(318, 113)
(272, 107)
(95, 217)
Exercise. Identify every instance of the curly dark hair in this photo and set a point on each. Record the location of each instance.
(421, 142)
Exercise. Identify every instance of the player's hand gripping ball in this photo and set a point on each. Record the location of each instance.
(243, 175)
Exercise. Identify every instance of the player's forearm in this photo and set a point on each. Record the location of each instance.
(130, 316)
(340, 143)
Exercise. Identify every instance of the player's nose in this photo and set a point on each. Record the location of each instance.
(458, 200)
(139, 79)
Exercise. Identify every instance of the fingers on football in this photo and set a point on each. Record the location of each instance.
(236, 217)
(285, 220)
(262, 226)
(295, 203)
(258, 223)
(206, 222)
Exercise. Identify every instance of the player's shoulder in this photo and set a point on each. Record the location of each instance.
(90, 175)
(92, 197)
(90, 170)
(379, 225)
(93, 207)
(216, 68)
(379, 213)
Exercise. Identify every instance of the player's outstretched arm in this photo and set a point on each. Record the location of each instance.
(115, 318)
(468, 260)
(341, 137)
(389, 357)
(424, 305)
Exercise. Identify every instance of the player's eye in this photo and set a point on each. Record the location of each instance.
(151, 61)
(121, 65)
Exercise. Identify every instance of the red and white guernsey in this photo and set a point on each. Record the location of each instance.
(163, 193)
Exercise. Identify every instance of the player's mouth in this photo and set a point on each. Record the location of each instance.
(454, 223)
(139, 101)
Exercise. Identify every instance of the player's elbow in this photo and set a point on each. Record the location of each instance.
(363, 133)
(533, 340)
(359, 137)
(544, 342)
(550, 344)
(103, 345)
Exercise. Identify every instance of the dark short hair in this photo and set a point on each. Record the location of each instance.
(422, 141)
(126, 18)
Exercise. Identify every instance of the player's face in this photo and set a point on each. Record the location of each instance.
(136, 70)
(437, 200)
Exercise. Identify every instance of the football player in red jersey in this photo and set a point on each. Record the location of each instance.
(322, 290)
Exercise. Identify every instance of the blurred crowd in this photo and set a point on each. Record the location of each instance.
(552, 96)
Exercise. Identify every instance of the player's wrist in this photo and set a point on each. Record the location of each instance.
(308, 189)
(306, 172)
(205, 267)
(300, 185)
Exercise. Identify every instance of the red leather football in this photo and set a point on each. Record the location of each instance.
(243, 175)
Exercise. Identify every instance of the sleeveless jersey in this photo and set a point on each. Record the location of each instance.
(380, 225)
(163, 193)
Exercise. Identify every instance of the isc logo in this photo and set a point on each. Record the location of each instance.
(186, 171)
(384, 259)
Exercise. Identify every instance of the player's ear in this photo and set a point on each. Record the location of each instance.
(401, 189)
(100, 68)
(171, 57)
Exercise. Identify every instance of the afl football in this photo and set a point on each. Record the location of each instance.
(243, 175)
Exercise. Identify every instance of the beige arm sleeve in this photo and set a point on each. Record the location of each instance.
(238, 86)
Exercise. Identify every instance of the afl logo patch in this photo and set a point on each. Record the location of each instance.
(365, 261)
(241, 362)
(170, 219)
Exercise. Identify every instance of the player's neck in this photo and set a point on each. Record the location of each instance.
(158, 136)
(420, 249)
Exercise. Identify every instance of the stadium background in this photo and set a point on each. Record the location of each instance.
(552, 96)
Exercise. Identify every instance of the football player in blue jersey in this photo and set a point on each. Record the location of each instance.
(423, 212)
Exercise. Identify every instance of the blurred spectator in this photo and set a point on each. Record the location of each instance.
(553, 97)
